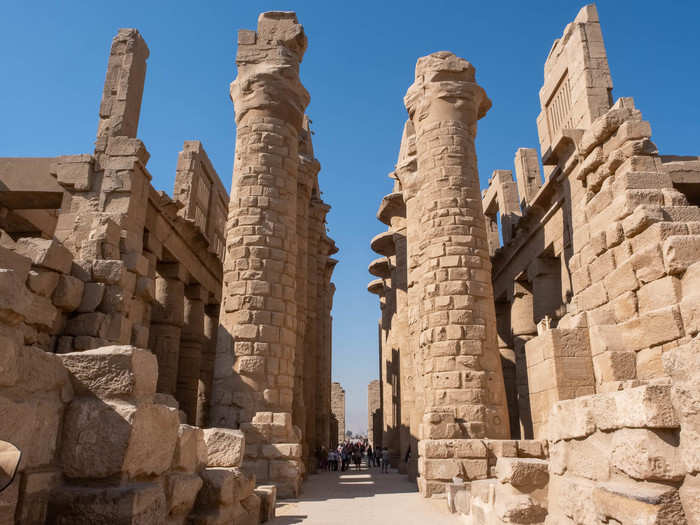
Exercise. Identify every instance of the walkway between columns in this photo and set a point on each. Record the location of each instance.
(364, 497)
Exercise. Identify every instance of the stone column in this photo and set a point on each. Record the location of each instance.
(258, 336)
(463, 380)
(191, 345)
(206, 370)
(167, 318)
(523, 329)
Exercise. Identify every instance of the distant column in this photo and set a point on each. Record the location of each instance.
(191, 345)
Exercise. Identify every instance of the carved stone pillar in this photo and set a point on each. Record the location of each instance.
(462, 376)
(206, 370)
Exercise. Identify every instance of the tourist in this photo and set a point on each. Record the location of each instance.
(385, 460)
(370, 456)
(357, 458)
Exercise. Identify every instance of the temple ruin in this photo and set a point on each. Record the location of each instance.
(172, 353)
(168, 359)
(539, 348)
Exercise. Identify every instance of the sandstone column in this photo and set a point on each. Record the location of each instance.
(463, 381)
(206, 370)
(167, 317)
(191, 345)
(258, 335)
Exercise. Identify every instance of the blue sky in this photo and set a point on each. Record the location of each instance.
(360, 61)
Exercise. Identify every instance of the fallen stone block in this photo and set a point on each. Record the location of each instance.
(42, 282)
(219, 488)
(105, 438)
(92, 297)
(47, 253)
(268, 500)
(190, 450)
(113, 371)
(512, 506)
(524, 473)
(251, 504)
(225, 447)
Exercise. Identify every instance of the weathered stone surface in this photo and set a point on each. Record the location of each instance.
(268, 500)
(113, 371)
(68, 293)
(646, 455)
(103, 438)
(190, 449)
(225, 447)
(47, 253)
(525, 474)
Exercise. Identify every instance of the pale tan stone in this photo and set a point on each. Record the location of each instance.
(225, 447)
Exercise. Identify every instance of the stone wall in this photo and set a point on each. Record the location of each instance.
(338, 409)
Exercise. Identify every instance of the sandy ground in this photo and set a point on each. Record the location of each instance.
(366, 497)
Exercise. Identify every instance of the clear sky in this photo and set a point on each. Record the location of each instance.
(360, 61)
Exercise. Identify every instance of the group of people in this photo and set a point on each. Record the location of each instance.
(349, 453)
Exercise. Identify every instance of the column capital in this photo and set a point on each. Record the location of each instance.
(268, 69)
(445, 88)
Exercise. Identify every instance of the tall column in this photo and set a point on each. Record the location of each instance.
(258, 334)
(167, 317)
(523, 329)
(463, 380)
(206, 370)
(191, 344)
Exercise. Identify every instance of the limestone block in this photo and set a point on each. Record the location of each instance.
(47, 253)
(190, 449)
(113, 371)
(630, 503)
(571, 498)
(532, 448)
(690, 499)
(225, 447)
(105, 438)
(268, 500)
(180, 493)
(92, 297)
(524, 473)
(68, 293)
(648, 263)
(137, 503)
(458, 498)
(42, 281)
(571, 418)
(659, 294)
(647, 455)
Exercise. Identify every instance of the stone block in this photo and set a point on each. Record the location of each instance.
(36, 488)
(92, 297)
(680, 251)
(647, 455)
(251, 504)
(219, 487)
(532, 448)
(137, 503)
(512, 506)
(68, 293)
(31, 417)
(47, 253)
(630, 503)
(190, 449)
(225, 447)
(108, 271)
(42, 281)
(106, 438)
(113, 371)
(268, 500)
(571, 418)
(526, 474)
(93, 324)
(615, 366)
(647, 406)
(180, 493)
(690, 499)
(15, 301)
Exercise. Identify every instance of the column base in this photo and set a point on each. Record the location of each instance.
(273, 452)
